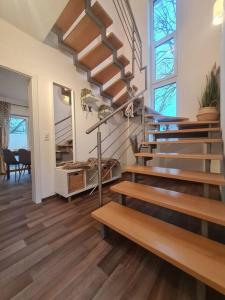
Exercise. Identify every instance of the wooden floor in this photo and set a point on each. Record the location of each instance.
(54, 250)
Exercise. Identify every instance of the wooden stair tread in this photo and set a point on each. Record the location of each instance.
(216, 129)
(106, 74)
(182, 123)
(193, 176)
(199, 207)
(184, 141)
(97, 55)
(200, 156)
(123, 60)
(122, 99)
(165, 118)
(71, 12)
(115, 88)
(115, 41)
(87, 30)
(198, 256)
(101, 14)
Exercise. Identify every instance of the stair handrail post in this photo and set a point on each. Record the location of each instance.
(143, 119)
(99, 153)
(133, 49)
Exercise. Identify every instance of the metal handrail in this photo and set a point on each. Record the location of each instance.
(99, 123)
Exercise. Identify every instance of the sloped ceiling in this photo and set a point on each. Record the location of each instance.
(35, 17)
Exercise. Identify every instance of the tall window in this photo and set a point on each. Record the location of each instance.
(164, 56)
(18, 132)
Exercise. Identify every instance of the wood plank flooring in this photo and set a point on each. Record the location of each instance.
(54, 250)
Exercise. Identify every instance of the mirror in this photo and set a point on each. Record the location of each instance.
(63, 119)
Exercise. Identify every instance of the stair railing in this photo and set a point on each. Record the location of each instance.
(100, 152)
(131, 31)
(63, 130)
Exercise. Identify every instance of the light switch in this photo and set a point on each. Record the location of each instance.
(46, 137)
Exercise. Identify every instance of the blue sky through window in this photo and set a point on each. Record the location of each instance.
(164, 59)
(165, 99)
(164, 18)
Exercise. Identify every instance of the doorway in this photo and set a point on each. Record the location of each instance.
(15, 131)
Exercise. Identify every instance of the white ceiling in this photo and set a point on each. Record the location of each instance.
(35, 17)
(13, 87)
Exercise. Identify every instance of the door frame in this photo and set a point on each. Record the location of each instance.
(34, 132)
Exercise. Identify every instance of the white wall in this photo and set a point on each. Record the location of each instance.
(47, 65)
(31, 16)
(198, 46)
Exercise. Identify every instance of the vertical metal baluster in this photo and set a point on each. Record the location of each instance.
(99, 150)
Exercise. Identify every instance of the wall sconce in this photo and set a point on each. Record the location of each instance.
(218, 12)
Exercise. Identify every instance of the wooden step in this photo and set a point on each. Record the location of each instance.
(193, 176)
(106, 74)
(198, 256)
(122, 99)
(115, 88)
(71, 12)
(183, 123)
(199, 207)
(165, 118)
(99, 53)
(181, 155)
(123, 60)
(216, 129)
(87, 30)
(184, 141)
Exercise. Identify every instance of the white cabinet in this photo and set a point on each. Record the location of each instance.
(72, 182)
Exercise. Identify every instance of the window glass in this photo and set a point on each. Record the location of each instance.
(164, 18)
(18, 133)
(164, 59)
(165, 99)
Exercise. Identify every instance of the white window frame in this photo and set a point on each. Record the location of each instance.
(170, 79)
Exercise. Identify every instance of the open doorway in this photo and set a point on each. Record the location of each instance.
(15, 142)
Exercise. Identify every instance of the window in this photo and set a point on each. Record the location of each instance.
(18, 132)
(164, 56)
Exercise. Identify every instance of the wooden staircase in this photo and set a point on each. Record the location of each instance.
(195, 254)
(78, 27)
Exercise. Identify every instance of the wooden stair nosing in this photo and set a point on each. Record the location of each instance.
(199, 207)
(181, 155)
(172, 173)
(185, 141)
(115, 88)
(182, 123)
(166, 117)
(106, 73)
(71, 12)
(123, 60)
(216, 129)
(196, 255)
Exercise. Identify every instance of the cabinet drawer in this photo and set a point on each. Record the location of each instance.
(75, 181)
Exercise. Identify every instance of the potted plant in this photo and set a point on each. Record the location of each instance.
(209, 103)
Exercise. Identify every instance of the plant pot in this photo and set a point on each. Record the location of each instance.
(208, 114)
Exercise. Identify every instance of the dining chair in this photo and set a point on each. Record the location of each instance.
(25, 161)
(10, 160)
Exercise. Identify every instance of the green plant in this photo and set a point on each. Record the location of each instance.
(211, 94)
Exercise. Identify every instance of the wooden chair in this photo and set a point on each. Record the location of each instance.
(10, 160)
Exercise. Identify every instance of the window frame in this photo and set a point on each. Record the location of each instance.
(172, 78)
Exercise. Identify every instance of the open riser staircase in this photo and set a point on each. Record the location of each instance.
(82, 22)
(195, 254)
(79, 28)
